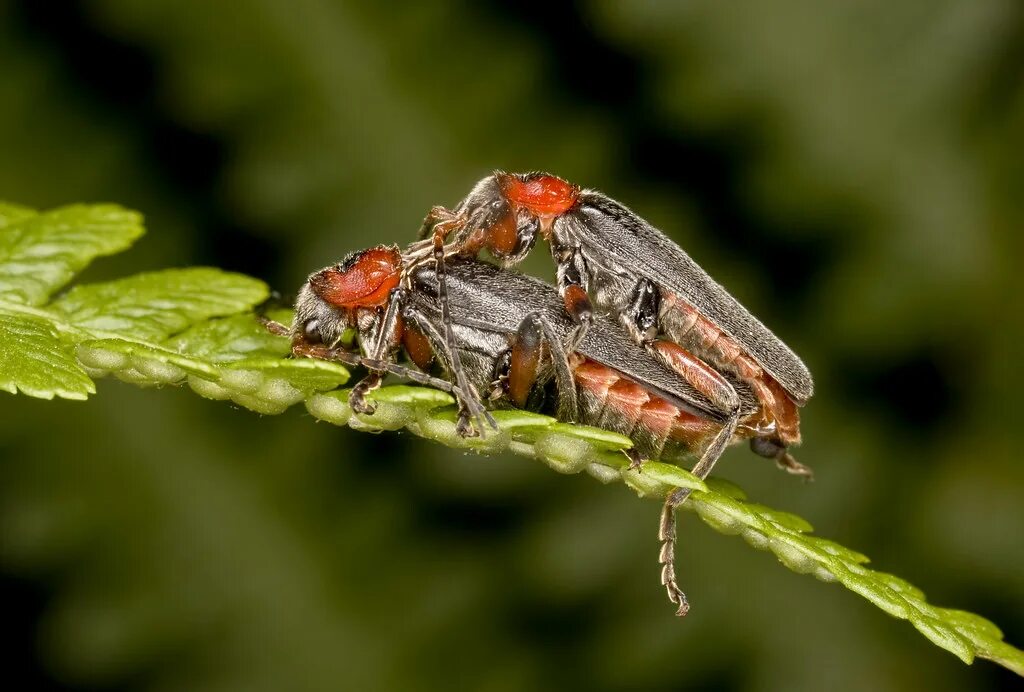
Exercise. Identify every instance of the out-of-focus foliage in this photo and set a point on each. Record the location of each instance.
(851, 171)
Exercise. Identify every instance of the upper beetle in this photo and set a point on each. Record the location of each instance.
(609, 257)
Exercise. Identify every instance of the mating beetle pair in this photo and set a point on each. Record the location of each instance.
(679, 366)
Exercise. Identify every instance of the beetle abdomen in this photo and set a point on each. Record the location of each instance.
(657, 427)
(683, 324)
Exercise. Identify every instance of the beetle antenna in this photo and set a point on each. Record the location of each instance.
(356, 360)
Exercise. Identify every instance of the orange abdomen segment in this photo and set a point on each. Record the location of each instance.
(594, 377)
(784, 411)
(687, 327)
(612, 401)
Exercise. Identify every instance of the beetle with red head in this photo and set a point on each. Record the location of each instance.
(606, 255)
(358, 303)
(513, 339)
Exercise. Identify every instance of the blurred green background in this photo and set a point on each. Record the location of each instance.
(852, 171)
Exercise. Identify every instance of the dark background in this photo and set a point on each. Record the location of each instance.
(852, 171)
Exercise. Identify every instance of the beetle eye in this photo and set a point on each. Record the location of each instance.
(311, 330)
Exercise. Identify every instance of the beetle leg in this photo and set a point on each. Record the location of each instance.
(357, 397)
(388, 337)
(641, 314)
(524, 360)
(348, 358)
(412, 374)
(302, 348)
(353, 359)
(385, 343)
(470, 406)
(773, 449)
(721, 394)
(527, 228)
(558, 354)
(572, 286)
(667, 528)
(635, 460)
(435, 216)
(534, 339)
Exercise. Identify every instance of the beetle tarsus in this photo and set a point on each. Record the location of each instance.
(666, 557)
(635, 460)
(667, 528)
(435, 216)
(787, 463)
(480, 416)
(474, 419)
(359, 403)
(464, 425)
(773, 449)
(357, 398)
(585, 321)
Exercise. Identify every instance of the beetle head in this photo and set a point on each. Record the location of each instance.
(488, 215)
(504, 212)
(347, 295)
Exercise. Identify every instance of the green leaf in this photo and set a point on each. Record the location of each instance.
(119, 326)
(154, 305)
(40, 253)
(138, 362)
(35, 362)
(305, 374)
(229, 339)
(669, 475)
(597, 436)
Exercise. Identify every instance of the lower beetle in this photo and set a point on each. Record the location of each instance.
(513, 339)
